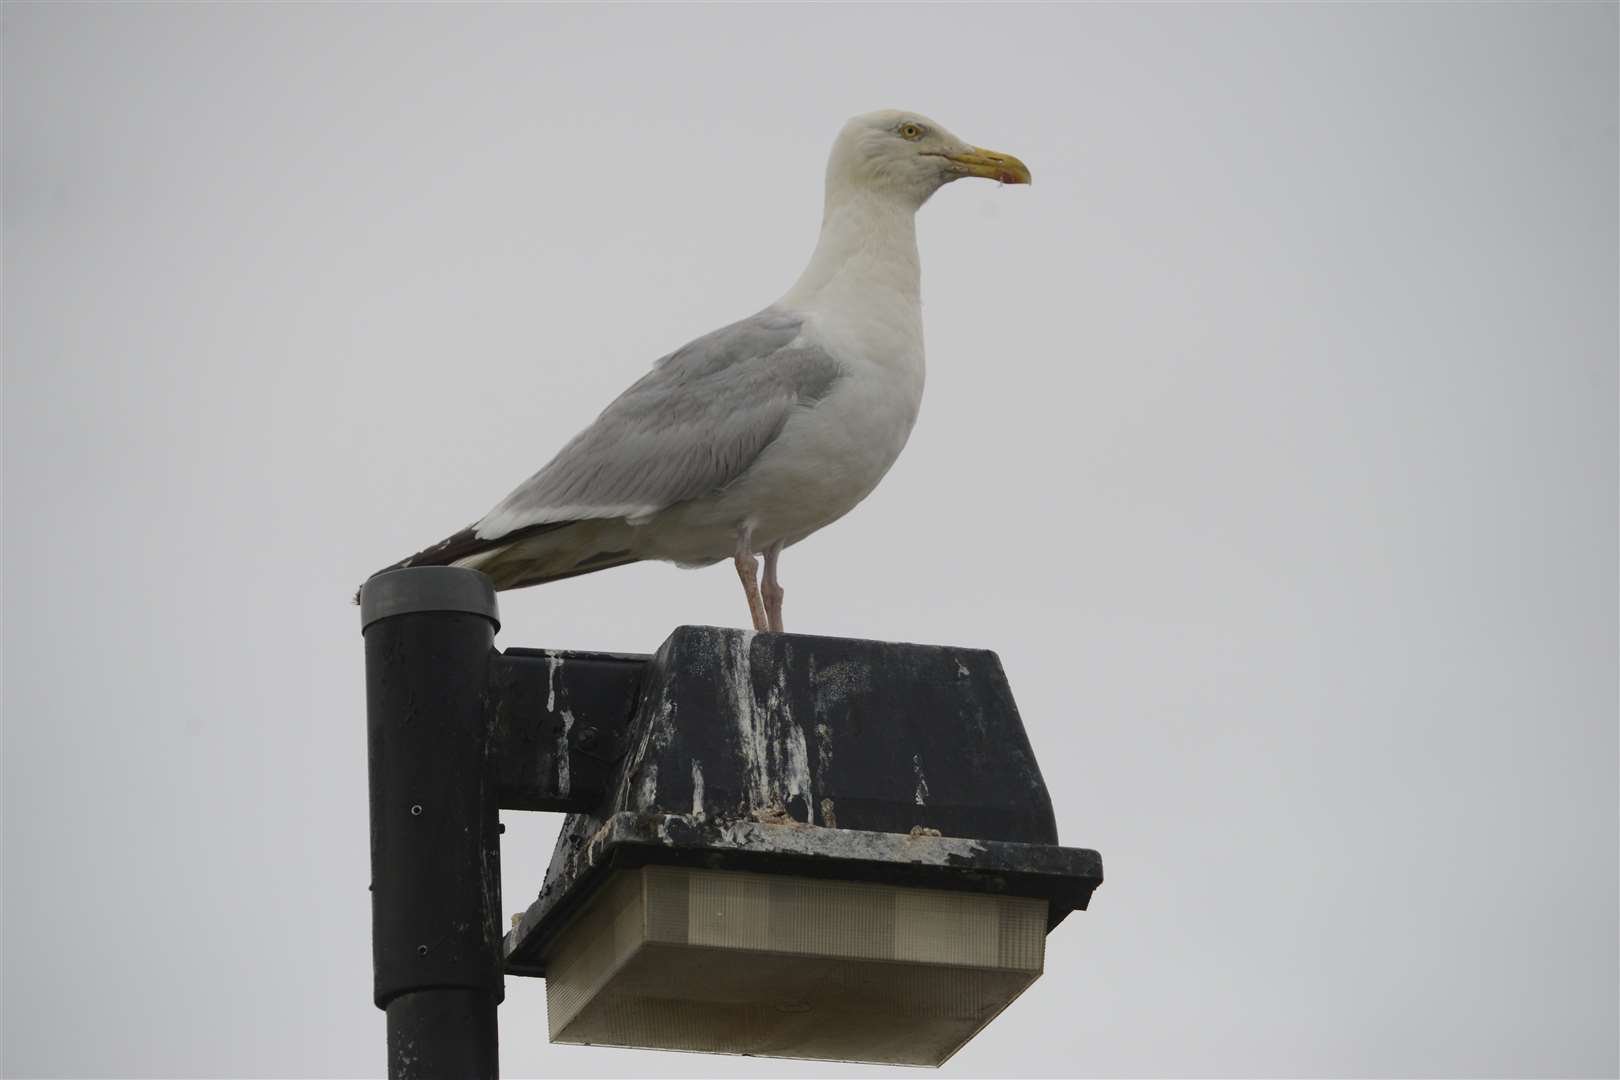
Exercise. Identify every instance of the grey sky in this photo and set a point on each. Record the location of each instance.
(1270, 439)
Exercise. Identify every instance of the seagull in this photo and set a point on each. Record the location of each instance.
(750, 438)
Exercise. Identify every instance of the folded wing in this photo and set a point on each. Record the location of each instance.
(692, 425)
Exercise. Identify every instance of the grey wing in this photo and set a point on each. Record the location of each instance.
(689, 427)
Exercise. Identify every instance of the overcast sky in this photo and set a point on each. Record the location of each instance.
(1270, 438)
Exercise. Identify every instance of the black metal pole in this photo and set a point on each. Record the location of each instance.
(435, 848)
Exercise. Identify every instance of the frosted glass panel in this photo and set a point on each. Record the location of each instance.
(736, 963)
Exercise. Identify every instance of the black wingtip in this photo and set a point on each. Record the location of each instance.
(464, 545)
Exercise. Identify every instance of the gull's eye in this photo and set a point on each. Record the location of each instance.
(909, 130)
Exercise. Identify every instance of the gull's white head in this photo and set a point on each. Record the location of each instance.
(906, 156)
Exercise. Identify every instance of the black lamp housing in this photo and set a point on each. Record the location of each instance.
(740, 759)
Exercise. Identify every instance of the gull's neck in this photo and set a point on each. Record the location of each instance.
(866, 256)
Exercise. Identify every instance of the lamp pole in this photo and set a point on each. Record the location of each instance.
(435, 850)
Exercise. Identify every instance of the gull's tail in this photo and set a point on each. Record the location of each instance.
(530, 556)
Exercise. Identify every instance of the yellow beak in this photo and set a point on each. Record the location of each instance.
(992, 165)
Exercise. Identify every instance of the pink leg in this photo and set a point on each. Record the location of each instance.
(772, 589)
(748, 571)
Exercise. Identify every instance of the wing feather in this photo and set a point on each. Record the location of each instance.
(692, 425)
(689, 427)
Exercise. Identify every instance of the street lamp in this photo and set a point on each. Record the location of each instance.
(777, 844)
